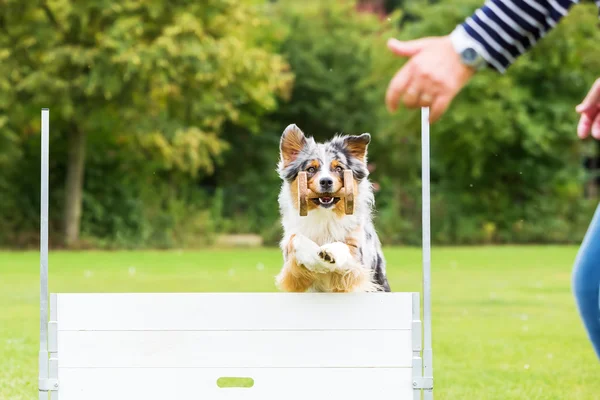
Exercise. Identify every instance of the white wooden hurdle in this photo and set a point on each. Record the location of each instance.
(246, 346)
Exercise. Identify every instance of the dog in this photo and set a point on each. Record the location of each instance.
(327, 250)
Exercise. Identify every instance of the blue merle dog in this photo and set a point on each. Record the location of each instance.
(327, 250)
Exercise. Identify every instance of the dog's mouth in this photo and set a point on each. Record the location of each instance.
(326, 201)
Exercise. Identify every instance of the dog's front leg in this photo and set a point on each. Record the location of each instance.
(348, 273)
(338, 256)
(302, 263)
(308, 255)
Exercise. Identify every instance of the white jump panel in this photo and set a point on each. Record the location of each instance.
(234, 311)
(269, 384)
(222, 349)
(177, 345)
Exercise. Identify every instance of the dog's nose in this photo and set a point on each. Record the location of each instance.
(326, 183)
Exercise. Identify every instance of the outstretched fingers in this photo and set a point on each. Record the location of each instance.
(397, 87)
(596, 127)
(592, 99)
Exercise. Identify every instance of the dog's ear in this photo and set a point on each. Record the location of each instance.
(292, 142)
(357, 145)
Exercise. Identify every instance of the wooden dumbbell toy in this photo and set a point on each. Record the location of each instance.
(346, 193)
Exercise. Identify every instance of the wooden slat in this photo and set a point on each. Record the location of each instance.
(234, 311)
(222, 349)
(190, 383)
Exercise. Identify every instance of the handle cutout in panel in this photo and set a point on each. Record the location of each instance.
(234, 382)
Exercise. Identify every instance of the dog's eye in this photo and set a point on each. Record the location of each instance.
(311, 170)
(339, 169)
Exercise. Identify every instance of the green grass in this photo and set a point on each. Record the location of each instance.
(505, 324)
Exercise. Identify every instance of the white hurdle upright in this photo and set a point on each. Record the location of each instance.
(427, 380)
(235, 346)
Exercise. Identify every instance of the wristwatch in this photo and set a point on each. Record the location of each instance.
(468, 49)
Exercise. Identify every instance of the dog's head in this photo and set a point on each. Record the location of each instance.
(324, 164)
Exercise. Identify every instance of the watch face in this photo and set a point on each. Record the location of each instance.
(469, 55)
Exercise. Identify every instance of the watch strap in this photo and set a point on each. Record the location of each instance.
(465, 45)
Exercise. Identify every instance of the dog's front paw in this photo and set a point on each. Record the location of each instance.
(326, 256)
(307, 254)
(335, 254)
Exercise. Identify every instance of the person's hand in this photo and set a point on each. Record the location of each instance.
(431, 78)
(589, 109)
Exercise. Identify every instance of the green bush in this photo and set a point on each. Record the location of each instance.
(506, 153)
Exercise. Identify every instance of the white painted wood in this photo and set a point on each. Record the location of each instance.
(190, 383)
(53, 346)
(53, 372)
(234, 311)
(221, 349)
(176, 345)
(417, 362)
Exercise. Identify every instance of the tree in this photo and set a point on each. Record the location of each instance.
(163, 76)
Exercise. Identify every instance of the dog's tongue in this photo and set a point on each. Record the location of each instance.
(326, 200)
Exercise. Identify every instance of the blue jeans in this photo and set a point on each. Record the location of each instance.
(586, 281)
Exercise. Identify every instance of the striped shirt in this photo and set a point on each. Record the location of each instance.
(505, 29)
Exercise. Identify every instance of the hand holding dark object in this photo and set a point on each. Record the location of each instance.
(589, 109)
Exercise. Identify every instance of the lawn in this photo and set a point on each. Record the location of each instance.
(505, 324)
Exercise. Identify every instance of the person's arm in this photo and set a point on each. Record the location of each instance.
(502, 30)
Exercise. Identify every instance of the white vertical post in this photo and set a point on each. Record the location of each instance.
(417, 346)
(43, 355)
(53, 348)
(425, 158)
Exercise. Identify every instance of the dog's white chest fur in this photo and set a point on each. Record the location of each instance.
(321, 226)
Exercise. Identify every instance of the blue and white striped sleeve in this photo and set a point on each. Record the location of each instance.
(505, 29)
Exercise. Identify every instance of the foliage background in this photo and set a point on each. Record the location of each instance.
(176, 111)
